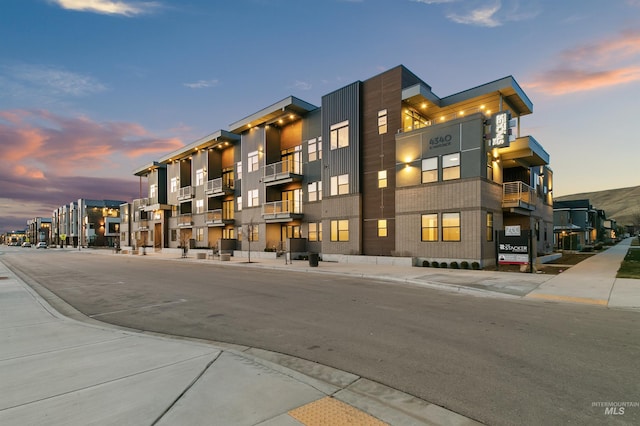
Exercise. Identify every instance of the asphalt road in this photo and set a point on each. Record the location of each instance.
(499, 361)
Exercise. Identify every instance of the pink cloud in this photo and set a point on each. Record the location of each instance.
(63, 143)
(592, 66)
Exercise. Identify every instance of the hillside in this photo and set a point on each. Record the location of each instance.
(621, 204)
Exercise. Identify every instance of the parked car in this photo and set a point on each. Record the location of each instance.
(41, 244)
(26, 244)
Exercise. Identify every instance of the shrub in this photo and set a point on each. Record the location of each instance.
(454, 265)
(475, 265)
(464, 264)
(444, 265)
(425, 263)
(435, 264)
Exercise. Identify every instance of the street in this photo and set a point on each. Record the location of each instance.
(498, 361)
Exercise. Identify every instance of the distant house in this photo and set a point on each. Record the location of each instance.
(87, 223)
(576, 224)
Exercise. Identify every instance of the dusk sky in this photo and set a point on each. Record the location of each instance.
(92, 89)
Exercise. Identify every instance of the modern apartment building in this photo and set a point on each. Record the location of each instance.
(39, 230)
(383, 167)
(577, 225)
(86, 223)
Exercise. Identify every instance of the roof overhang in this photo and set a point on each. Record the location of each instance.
(220, 138)
(273, 113)
(523, 152)
(146, 169)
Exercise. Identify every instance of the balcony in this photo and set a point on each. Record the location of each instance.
(149, 203)
(219, 186)
(282, 172)
(518, 195)
(524, 152)
(186, 193)
(185, 220)
(282, 211)
(217, 218)
(143, 225)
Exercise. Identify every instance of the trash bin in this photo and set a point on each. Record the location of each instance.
(313, 259)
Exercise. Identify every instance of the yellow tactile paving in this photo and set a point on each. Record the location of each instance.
(330, 412)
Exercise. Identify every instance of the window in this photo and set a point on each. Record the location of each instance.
(153, 190)
(200, 234)
(340, 135)
(315, 231)
(339, 230)
(239, 169)
(489, 226)
(229, 233)
(199, 206)
(199, 177)
(315, 191)
(450, 226)
(253, 162)
(382, 227)
(252, 199)
(174, 235)
(430, 170)
(253, 232)
(227, 210)
(382, 122)
(315, 149)
(451, 166)
(340, 185)
(429, 227)
(240, 203)
(382, 179)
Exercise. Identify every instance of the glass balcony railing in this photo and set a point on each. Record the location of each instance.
(219, 186)
(185, 220)
(186, 193)
(281, 208)
(282, 170)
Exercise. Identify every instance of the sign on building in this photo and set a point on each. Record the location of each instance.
(500, 130)
(514, 249)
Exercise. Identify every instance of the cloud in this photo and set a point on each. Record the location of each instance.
(108, 7)
(202, 84)
(50, 143)
(591, 66)
(301, 85)
(45, 84)
(485, 13)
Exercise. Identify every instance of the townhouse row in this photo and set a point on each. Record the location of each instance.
(383, 167)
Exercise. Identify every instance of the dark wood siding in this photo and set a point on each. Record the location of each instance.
(378, 153)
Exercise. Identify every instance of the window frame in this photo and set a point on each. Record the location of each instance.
(253, 162)
(339, 135)
(448, 170)
(429, 229)
(340, 230)
(429, 171)
(446, 228)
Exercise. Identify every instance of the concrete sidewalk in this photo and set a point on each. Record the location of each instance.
(593, 281)
(58, 371)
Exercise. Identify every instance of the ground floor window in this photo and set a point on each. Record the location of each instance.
(174, 235)
(430, 227)
(200, 234)
(382, 227)
(315, 232)
(489, 226)
(339, 230)
(450, 226)
(229, 234)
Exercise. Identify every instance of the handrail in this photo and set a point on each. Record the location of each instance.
(517, 191)
(289, 166)
(282, 207)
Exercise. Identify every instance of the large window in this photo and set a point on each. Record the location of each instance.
(199, 177)
(253, 165)
(174, 184)
(199, 234)
(340, 185)
(339, 230)
(430, 170)
(340, 135)
(450, 226)
(153, 190)
(382, 227)
(489, 226)
(315, 231)
(239, 169)
(253, 200)
(451, 166)
(429, 227)
(227, 210)
(315, 191)
(315, 149)
(199, 206)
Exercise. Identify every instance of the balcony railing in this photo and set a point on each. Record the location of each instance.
(185, 220)
(186, 193)
(518, 194)
(219, 186)
(287, 170)
(281, 209)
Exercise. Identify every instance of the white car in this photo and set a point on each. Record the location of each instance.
(26, 244)
(41, 244)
